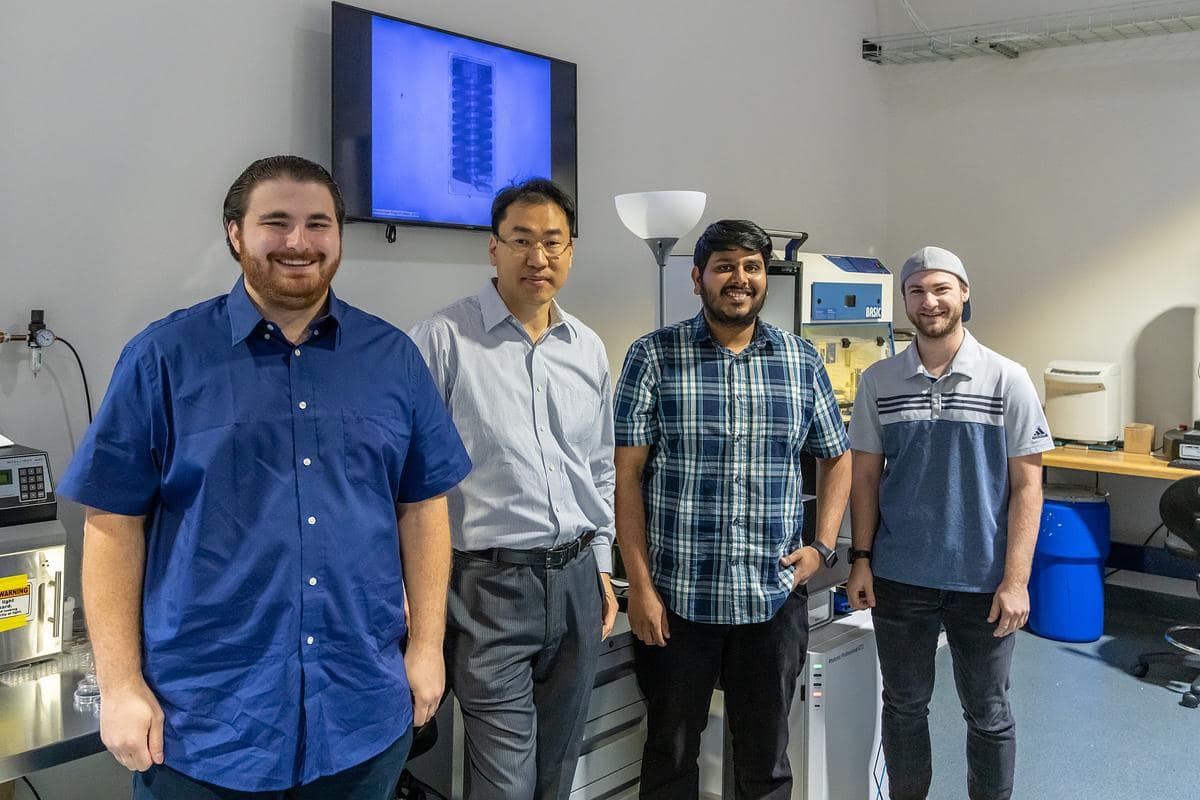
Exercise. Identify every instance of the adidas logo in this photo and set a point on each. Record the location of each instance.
(1040, 433)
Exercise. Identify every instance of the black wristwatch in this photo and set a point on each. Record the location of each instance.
(855, 555)
(828, 556)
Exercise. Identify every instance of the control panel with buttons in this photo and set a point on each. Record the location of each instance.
(26, 489)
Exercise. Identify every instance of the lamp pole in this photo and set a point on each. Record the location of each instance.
(661, 247)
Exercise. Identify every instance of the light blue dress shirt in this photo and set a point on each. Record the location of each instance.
(536, 419)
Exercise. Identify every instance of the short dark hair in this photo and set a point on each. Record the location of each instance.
(535, 191)
(237, 199)
(731, 234)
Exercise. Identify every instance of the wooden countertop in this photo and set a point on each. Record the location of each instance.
(1115, 463)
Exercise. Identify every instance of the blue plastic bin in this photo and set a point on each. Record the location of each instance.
(1066, 587)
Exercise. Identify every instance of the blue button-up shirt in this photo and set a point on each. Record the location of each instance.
(269, 473)
(722, 483)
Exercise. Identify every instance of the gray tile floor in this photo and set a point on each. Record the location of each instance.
(1086, 728)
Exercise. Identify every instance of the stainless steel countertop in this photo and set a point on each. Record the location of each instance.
(40, 726)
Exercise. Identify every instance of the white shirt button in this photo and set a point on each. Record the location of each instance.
(316, 332)
(303, 405)
(266, 336)
(539, 388)
(542, 428)
(552, 468)
(296, 351)
(308, 462)
(312, 581)
(310, 640)
(312, 520)
(270, 327)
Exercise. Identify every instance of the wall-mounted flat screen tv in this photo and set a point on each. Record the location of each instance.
(428, 125)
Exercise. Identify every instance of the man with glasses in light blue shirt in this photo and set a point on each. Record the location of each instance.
(530, 599)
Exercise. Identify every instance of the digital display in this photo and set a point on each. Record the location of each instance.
(5, 477)
(429, 125)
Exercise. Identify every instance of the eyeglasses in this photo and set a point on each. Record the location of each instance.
(553, 248)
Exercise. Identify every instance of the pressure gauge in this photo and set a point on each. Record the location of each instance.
(44, 337)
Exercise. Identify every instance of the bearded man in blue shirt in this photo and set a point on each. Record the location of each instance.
(712, 416)
(243, 575)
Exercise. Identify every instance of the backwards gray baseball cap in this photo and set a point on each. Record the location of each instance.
(936, 258)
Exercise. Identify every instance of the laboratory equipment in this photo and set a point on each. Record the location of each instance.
(834, 746)
(1083, 400)
(843, 306)
(1187, 449)
(26, 489)
(32, 558)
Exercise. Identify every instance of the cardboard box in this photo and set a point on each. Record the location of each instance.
(1139, 437)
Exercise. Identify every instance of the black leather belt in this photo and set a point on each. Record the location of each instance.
(553, 558)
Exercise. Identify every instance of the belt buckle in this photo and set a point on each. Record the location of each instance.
(558, 557)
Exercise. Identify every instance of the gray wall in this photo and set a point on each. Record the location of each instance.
(1066, 180)
(127, 120)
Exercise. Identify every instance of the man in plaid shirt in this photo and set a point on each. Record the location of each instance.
(712, 415)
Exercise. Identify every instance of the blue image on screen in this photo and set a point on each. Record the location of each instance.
(452, 122)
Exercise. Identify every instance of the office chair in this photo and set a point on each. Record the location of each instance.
(1180, 512)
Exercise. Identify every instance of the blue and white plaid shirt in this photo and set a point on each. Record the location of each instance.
(722, 485)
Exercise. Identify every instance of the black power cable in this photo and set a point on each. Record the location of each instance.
(30, 785)
(86, 392)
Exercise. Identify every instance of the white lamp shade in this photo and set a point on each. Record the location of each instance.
(655, 215)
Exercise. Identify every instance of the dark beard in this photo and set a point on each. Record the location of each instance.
(258, 276)
(733, 321)
(951, 325)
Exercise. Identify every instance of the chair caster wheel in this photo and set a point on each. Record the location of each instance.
(1191, 700)
(1140, 669)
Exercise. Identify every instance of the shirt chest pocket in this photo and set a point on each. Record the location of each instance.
(376, 448)
(574, 410)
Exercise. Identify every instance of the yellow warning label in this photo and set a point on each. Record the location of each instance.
(14, 602)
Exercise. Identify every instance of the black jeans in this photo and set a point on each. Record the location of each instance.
(907, 621)
(758, 665)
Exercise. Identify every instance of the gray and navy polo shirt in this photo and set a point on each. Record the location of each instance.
(943, 496)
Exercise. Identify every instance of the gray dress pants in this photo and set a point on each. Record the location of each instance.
(521, 646)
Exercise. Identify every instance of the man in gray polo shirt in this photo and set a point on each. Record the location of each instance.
(945, 504)
(532, 526)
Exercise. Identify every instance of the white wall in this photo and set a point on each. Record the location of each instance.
(1067, 181)
(126, 121)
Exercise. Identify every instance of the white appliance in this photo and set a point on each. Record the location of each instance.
(834, 748)
(1083, 400)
